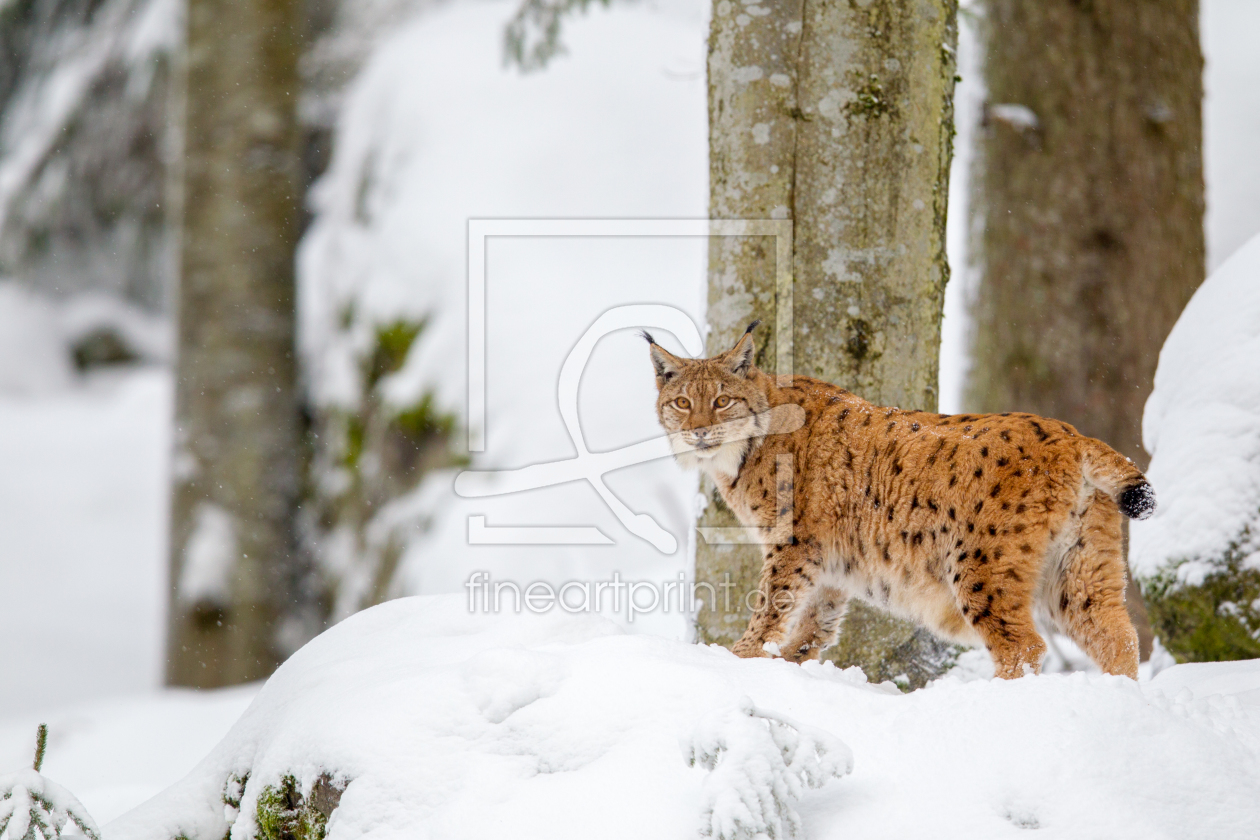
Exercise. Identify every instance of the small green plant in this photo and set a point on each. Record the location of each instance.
(393, 341)
(34, 808)
(1216, 619)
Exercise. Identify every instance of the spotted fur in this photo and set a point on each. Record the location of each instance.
(969, 524)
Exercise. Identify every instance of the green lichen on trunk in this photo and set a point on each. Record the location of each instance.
(1217, 619)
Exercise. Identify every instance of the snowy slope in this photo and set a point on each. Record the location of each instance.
(446, 724)
(1202, 428)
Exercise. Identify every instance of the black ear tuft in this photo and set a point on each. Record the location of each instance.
(664, 363)
(647, 336)
(739, 358)
(752, 326)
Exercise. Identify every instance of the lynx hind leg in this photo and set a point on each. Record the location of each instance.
(786, 588)
(1088, 603)
(816, 625)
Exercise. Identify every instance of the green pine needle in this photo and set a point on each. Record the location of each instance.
(41, 742)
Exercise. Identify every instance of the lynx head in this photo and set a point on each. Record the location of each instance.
(712, 408)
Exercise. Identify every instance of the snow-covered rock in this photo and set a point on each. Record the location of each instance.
(43, 339)
(1199, 555)
(419, 719)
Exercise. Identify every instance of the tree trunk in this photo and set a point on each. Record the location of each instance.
(1090, 210)
(234, 568)
(839, 118)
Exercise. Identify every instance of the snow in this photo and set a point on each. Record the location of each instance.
(450, 724)
(33, 359)
(969, 98)
(83, 500)
(149, 337)
(760, 764)
(206, 575)
(1019, 116)
(116, 753)
(1202, 428)
(1231, 124)
(38, 334)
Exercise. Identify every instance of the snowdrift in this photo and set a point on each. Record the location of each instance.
(1198, 557)
(419, 719)
(1202, 428)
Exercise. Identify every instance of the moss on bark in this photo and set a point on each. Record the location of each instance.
(283, 813)
(1217, 619)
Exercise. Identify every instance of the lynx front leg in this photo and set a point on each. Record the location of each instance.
(815, 628)
(785, 591)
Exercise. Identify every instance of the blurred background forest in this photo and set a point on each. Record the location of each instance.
(232, 245)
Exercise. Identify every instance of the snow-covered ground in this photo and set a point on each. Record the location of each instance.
(451, 724)
(83, 502)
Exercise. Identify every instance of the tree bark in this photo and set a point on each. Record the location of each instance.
(838, 117)
(1090, 210)
(234, 569)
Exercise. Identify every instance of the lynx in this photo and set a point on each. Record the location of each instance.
(969, 524)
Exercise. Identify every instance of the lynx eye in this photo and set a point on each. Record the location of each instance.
(722, 401)
(683, 403)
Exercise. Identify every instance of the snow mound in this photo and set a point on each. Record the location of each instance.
(431, 722)
(1202, 428)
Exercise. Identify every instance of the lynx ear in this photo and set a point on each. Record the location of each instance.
(739, 359)
(666, 364)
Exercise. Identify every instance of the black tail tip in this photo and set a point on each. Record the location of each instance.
(1138, 502)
